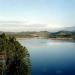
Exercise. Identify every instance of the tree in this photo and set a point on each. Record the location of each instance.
(17, 56)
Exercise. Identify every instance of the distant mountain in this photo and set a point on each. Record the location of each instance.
(69, 29)
(63, 34)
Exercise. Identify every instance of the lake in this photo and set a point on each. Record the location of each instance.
(51, 57)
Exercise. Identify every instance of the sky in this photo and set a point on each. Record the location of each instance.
(36, 15)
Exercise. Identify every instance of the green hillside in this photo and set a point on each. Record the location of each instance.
(14, 58)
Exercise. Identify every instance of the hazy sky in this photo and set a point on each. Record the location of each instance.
(23, 15)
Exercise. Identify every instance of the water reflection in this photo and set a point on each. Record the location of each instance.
(50, 57)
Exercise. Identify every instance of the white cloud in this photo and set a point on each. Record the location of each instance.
(27, 26)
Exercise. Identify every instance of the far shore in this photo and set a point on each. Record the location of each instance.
(26, 38)
(70, 39)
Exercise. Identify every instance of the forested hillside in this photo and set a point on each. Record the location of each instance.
(14, 58)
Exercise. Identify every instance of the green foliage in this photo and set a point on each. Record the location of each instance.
(15, 53)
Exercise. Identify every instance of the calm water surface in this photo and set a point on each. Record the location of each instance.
(51, 57)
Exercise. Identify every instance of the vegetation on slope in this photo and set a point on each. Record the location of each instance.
(63, 34)
(16, 57)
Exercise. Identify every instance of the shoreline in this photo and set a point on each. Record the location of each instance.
(68, 39)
